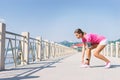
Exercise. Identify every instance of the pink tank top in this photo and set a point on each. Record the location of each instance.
(93, 38)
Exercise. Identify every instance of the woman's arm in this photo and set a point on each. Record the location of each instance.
(83, 52)
(88, 52)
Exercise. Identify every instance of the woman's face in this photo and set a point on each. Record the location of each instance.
(78, 36)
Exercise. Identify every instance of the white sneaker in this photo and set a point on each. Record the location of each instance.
(108, 65)
(85, 66)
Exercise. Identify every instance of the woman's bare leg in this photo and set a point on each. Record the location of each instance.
(98, 55)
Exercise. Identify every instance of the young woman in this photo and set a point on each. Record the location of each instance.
(91, 41)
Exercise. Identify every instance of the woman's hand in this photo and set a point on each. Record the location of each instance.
(82, 61)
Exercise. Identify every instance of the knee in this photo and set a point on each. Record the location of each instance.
(96, 54)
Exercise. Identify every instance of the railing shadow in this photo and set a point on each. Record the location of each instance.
(20, 78)
(31, 70)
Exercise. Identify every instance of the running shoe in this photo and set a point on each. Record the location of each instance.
(108, 65)
(85, 66)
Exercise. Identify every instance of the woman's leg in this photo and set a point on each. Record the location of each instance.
(98, 55)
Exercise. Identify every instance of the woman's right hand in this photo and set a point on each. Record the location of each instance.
(82, 62)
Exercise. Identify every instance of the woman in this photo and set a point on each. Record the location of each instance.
(91, 41)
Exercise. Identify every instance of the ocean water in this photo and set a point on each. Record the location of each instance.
(9, 61)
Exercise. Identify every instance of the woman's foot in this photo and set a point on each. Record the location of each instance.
(85, 66)
(108, 65)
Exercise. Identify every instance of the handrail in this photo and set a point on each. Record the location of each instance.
(14, 39)
(15, 34)
(33, 39)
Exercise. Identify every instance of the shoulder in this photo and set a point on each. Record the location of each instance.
(89, 35)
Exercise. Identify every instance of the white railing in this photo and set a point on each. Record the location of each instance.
(112, 50)
(13, 48)
(21, 49)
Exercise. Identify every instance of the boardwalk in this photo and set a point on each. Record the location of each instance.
(52, 61)
(65, 68)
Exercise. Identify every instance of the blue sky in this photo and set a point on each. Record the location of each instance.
(56, 20)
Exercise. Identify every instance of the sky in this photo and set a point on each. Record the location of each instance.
(56, 20)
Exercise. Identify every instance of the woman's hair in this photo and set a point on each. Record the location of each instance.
(79, 31)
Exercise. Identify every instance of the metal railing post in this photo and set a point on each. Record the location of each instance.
(2, 45)
(38, 47)
(112, 50)
(117, 49)
(25, 47)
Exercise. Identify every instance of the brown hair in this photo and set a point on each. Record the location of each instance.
(79, 31)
